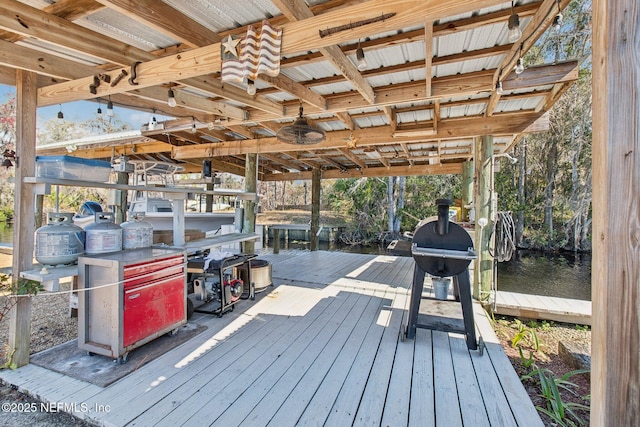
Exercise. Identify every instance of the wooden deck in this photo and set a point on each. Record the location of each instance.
(322, 347)
(543, 307)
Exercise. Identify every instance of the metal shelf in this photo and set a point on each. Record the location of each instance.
(166, 189)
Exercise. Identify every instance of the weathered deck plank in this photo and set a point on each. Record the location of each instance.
(543, 307)
(320, 347)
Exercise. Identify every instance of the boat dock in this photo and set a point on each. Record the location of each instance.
(543, 307)
(323, 346)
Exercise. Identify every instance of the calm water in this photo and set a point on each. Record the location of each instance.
(6, 232)
(564, 276)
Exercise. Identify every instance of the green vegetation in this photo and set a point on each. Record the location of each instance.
(561, 412)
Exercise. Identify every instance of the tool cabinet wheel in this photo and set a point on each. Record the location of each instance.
(123, 359)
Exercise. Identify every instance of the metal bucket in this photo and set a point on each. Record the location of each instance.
(441, 287)
(260, 274)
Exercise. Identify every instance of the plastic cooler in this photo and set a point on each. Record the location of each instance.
(68, 167)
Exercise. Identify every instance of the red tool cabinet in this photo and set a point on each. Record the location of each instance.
(131, 298)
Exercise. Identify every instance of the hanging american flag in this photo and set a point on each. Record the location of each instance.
(256, 53)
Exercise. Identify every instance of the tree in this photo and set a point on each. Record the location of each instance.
(395, 203)
(7, 149)
(554, 186)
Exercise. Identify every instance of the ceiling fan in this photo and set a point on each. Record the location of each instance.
(300, 132)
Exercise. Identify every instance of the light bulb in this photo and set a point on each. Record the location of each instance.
(499, 89)
(557, 22)
(60, 117)
(110, 108)
(515, 32)
(362, 62)
(171, 99)
(194, 129)
(152, 123)
(519, 66)
(99, 112)
(251, 87)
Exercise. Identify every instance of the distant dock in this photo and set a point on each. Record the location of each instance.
(542, 307)
(6, 248)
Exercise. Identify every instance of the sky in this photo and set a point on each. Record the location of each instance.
(81, 111)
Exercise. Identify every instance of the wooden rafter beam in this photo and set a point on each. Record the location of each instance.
(539, 23)
(296, 10)
(165, 19)
(277, 159)
(542, 75)
(428, 56)
(449, 86)
(296, 89)
(440, 169)
(447, 28)
(40, 25)
(299, 37)
(329, 160)
(355, 159)
(502, 124)
(66, 9)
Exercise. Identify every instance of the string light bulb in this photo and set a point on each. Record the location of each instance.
(152, 121)
(499, 89)
(110, 108)
(251, 87)
(519, 66)
(193, 129)
(519, 69)
(515, 33)
(60, 115)
(99, 110)
(361, 60)
(557, 21)
(171, 98)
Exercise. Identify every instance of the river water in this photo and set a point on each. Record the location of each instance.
(555, 275)
(558, 275)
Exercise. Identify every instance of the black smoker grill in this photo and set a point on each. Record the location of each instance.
(443, 249)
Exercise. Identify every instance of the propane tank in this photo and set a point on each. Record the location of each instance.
(104, 235)
(60, 241)
(137, 233)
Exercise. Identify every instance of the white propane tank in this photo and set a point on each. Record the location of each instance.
(104, 235)
(60, 241)
(137, 233)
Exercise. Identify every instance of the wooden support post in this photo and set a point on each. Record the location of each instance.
(208, 199)
(615, 278)
(121, 198)
(276, 241)
(39, 210)
(251, 186)
(467, 188)
(24, 205)
(73, 298)
(316, 176)
(483, 269)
